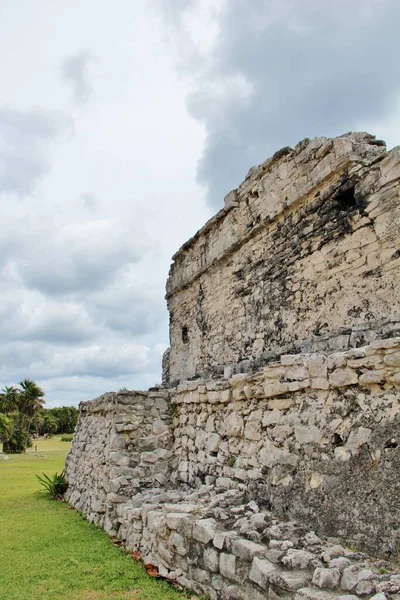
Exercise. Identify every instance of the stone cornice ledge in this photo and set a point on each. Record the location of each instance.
(375, 367)
(359, 150)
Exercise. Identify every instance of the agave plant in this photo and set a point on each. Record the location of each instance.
(55, 486)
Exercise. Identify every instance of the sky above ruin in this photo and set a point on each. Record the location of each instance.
(122, 127)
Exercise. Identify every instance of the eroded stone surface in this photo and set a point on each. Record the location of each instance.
(280, 269)
(261, 478)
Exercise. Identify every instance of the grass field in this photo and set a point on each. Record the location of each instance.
(47, 550)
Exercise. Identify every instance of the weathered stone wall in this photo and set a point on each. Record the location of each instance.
(304, 257)
(121, 445)
(278, 446)
(315, 437)
(259, 486)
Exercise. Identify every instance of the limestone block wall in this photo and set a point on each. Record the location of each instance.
(274, 444)
(257, 487)
(304, 257)
(122, 444)
(314, 437)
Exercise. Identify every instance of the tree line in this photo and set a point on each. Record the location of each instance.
(22, 415)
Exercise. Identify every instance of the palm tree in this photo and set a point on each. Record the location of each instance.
(9, 399)
(20, 406)
(6, 426)
(30, 400)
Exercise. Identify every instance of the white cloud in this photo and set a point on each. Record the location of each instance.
(25, 136)
(307, 68)
(75, 71)
(91, 214)
(80, 256)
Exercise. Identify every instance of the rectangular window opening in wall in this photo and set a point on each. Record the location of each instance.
(185, 335)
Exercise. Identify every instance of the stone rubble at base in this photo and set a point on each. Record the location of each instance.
(273, 475)
(139, 459)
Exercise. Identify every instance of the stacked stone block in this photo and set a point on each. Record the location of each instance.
(271, 465)
(307, 431)
(190, 546)
(220, 484)
(121, 445)
(305, 260)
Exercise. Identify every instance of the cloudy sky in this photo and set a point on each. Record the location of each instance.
(123, 125)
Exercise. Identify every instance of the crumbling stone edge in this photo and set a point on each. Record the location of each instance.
(196, 516)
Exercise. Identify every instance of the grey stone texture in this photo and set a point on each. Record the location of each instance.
(116, 452)
(335, 447)
(266, 465)
(303, 259)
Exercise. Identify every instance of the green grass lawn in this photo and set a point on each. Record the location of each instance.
(47, 550)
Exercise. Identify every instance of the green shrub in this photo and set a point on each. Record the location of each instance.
(67, 438)
(6, 426)
(55, 486)
(19, 440)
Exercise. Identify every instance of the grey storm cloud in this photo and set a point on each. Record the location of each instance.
(75, 71)
(84, 251)
(282, 70)
(79, 257)
(114, 310)
(33, 319)
(24, 139)
(84, 256)
(131, 309)
(25, 359)
(60, 324)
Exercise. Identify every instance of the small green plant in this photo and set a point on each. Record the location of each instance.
(382, 571)
(174, 411)
(55, 486)
(67, 438)
(349, 545)
(230, 462)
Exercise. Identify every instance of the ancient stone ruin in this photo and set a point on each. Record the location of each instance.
(267, 464)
